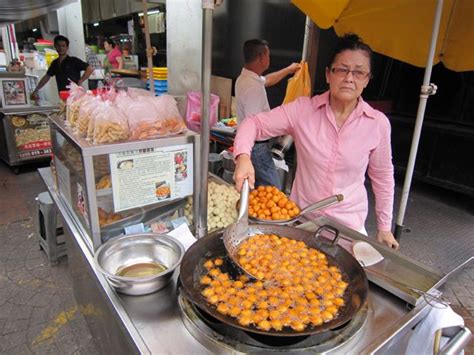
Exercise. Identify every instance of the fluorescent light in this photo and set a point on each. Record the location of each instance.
(34, 29)
(95, 24)
(150, 12)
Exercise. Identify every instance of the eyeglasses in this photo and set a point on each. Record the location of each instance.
(356, 73)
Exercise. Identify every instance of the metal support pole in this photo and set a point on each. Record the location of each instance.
(208, 7)
(149, 50)
(427, 89)
(284, 143)
(308, 26)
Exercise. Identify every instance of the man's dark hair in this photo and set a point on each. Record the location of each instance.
(253, 48)
(351, 41)
(61, 38)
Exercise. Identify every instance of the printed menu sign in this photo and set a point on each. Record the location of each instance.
(32, 135)
(147, 176)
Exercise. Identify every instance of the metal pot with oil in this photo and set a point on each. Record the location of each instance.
(139, 264)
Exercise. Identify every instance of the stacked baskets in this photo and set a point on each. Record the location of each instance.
(160, 77)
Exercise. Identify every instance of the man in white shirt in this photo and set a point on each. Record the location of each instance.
(252, 99)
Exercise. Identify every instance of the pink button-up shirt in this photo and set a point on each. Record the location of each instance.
(331, 160)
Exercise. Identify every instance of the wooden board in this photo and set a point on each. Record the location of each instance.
(126, 72)
(222, 87)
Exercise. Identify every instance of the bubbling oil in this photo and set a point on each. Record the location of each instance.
(141, 270)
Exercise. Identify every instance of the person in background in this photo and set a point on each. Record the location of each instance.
(91, 57)
(64, 68)
(93, 60)
(338, 138)
(252, 98)
(114, 56)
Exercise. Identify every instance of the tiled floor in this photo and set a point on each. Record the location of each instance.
(38, 313)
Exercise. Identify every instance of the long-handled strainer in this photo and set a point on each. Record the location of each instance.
(311, 208)
(239, 231)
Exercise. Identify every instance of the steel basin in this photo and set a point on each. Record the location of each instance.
(133, 249)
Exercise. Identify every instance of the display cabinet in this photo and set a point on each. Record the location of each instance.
(113, 186)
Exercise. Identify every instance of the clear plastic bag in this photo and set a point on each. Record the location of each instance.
(153, 117)
(167, 109)
(110, 124)
(88, 105)
(136, 92)
(73, 105)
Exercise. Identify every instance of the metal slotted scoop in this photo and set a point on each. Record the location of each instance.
(311, 208)
(237, 232)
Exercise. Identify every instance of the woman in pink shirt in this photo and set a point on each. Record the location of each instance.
(113, 54)
(338, 138)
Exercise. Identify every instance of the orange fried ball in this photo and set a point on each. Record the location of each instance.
(267, 202)
(297, 286)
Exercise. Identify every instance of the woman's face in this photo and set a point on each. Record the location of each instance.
(349, 75)
(107, 46)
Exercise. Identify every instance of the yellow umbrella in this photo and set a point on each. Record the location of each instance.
(402, 29)
(419, 32)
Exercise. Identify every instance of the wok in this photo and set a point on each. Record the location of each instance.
(212, 246)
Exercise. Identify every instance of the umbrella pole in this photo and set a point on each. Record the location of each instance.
(427, 89)
(208, 7)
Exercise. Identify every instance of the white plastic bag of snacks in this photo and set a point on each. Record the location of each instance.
(76, 92)
(153, 117)
(110, 124)
(143, 119)
(108, 94)
(136, 92)
(88, 105)
(167, 109)
(123, 101)
(91, 124)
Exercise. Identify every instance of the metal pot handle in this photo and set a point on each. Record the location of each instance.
(328, 228)
(244, 201)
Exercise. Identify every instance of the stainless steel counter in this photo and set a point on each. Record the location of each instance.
(152, 324)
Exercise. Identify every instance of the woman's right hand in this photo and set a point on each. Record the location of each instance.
(243, 170)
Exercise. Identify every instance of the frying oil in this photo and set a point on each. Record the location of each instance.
(141, 270)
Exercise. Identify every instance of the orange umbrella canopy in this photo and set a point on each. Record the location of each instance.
(401, 29)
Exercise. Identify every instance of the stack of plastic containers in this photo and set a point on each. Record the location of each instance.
(160, 77)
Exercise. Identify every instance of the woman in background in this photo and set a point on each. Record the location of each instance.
(114, 56)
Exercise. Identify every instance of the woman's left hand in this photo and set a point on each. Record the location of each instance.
(387, 237)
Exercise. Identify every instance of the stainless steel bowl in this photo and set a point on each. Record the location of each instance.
(121, 252)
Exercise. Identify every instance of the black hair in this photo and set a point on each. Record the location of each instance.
(110, 41)
(253, 48)
(61, 38)
(351, 41)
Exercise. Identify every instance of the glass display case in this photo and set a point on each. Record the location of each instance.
(24, 125)
(113, 186)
